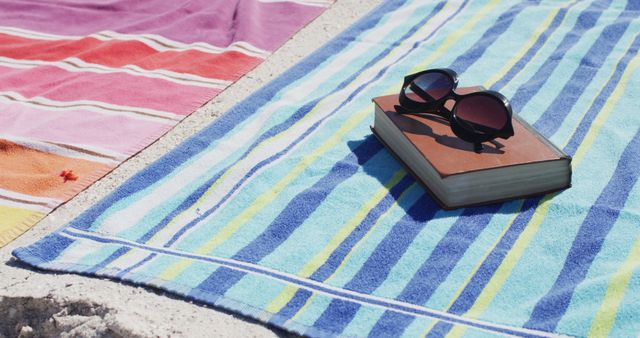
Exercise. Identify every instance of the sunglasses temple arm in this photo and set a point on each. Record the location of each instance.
(426, 109)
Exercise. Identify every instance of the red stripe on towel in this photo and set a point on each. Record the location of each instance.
(226, 66)
(114, 88)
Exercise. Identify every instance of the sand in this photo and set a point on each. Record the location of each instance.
(34, 304)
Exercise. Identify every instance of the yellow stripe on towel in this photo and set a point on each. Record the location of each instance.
(321, 257)
(502, 274)
(606, 315)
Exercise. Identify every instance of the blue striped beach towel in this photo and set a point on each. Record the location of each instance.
(288, 210)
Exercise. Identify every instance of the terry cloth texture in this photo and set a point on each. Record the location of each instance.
(288, 210)
(84, 86)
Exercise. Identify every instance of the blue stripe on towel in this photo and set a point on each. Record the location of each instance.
(489, 266)
(376, 268)
(504, 21)
(600, 219)
(550, 121)
(296, 212)
(603, 96)
(339, 254)
(533, 50)
(56, 244)
(586, 21)
(436, 268)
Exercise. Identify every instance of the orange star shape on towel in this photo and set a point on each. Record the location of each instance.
(68, 175)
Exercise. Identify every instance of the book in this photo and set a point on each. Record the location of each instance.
(523, 165)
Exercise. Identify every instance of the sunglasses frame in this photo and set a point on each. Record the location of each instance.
(436, 107)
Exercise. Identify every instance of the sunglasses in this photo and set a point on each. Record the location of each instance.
(475, 117)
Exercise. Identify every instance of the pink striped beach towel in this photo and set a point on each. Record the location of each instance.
(85, 85)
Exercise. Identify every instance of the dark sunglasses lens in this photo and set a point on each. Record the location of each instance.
(482, 114)
(436, 84)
